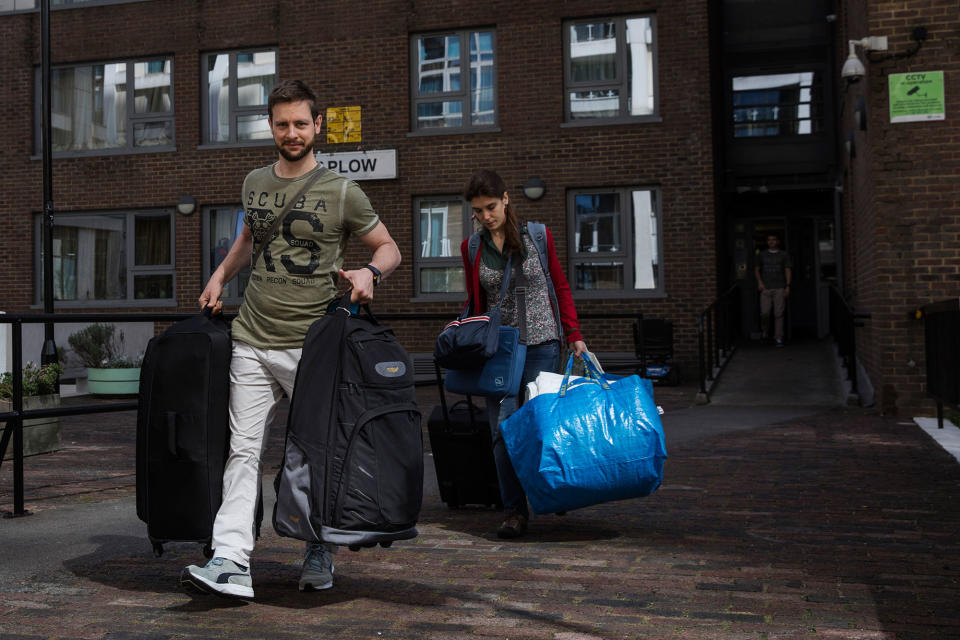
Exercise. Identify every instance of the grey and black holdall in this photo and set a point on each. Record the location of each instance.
(352, 470)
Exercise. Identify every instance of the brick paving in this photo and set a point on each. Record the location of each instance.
(841, 525)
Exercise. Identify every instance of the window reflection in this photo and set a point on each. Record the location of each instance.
(481, 78)
(776, 105)
(238, 86)
(441, 228)
(446, 94)
(439, 69)
(223, 226)
(611, 70)
(89, 257)
(616, 240)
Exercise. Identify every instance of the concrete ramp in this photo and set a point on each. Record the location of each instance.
(801, 374)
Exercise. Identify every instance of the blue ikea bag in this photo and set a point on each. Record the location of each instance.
(598, 441)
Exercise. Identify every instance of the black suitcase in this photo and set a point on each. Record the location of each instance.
(183, 431)
(463, 453)
(352, 472)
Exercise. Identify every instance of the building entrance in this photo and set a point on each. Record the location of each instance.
(810, 242)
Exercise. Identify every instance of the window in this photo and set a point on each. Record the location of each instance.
(115, 107)
(446, 97)
(221, 227)
(236, 89)
(441, 225)
(786, 104)
(610, 69)
(615, 244)
(15, 6)
(108, 257)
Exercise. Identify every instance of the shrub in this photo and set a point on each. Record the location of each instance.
(37, 380)
(100, 346)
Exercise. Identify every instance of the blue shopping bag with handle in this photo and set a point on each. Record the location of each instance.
(597, 441)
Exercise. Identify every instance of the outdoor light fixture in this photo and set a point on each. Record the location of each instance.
(187, 205)
(534, 188)
(853, 69)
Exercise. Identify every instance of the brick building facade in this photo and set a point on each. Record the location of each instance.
(902, 192)
(623, 109)
(361, 54)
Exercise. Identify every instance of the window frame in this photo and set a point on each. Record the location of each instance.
(206, 265)
(132, 117)
(416, 98)
(626, 231)
(71, 4)
(622, 81)
(235, 109)
(455, 260)
(130, 266)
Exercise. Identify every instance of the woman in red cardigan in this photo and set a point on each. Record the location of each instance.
(549, 310)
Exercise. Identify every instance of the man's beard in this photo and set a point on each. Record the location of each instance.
(294, 157)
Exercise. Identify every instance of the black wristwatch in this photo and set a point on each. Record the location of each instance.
(376, 273)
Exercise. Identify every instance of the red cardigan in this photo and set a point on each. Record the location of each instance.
(568, 313)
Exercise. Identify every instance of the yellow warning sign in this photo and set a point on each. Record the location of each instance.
(343, 124)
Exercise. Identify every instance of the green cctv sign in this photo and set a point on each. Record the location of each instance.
(917, 96)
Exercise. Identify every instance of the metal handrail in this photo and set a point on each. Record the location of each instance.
(941, 339)
(717, 331)
(843, 322)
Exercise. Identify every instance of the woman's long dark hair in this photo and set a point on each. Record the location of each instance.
(485, 182)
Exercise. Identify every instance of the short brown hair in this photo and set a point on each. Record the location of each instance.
(292, 91)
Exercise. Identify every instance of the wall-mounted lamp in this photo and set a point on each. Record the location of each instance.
(187, 205)
(534, 188)
(853, 69)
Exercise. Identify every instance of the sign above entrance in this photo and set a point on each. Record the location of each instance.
(917, 96)
(380, 164)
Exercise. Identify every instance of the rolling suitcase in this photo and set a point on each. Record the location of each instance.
(463, 452)
(183, 432)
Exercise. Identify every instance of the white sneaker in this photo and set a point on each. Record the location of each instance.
(220, 576)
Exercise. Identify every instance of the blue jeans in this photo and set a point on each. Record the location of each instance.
(541, 357)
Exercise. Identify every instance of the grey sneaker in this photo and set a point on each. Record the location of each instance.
(317, 572)
(221, 576)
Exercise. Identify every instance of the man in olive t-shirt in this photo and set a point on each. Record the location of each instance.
(774, 272)
(291, 283)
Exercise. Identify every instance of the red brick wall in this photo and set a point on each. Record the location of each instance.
(903, 198)
(357, 53)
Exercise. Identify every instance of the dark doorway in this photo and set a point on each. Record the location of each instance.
(810, 243)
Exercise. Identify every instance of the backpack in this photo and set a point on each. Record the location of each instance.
(352, 471)
(538, 233)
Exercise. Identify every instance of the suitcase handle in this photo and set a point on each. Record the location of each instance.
(172, 433)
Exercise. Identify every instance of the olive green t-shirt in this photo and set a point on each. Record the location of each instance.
(295, 277)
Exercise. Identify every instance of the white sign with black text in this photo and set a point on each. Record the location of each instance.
(380, 164)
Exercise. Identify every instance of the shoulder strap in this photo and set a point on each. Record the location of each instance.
(473, 246)
(538, 233)
(283, 214)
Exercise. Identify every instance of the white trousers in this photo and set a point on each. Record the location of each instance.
(258, 378)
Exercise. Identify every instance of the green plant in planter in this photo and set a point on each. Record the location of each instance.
(37, 380)
(100, 346)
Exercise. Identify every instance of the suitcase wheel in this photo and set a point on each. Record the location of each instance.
(157, 549)
(207, 551)
(354, 547)
(386, 544)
